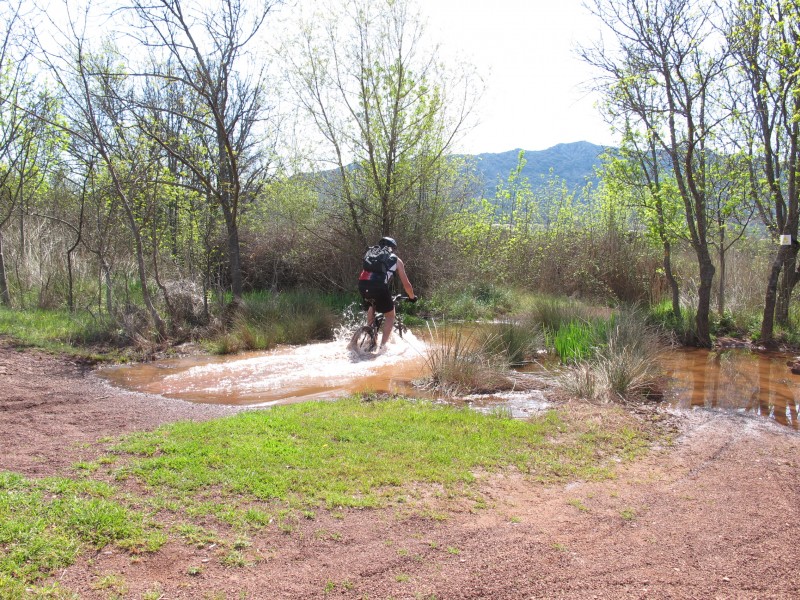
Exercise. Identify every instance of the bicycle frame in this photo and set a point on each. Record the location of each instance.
(366, 337)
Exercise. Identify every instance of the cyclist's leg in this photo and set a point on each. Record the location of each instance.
(388, 323)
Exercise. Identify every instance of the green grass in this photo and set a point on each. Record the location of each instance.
(45, 523)
(338, 454)
(218, 482)
(350, 453)
(625, 364)
(267, 319)
(575, 341)
(469, 303)
(55, 330)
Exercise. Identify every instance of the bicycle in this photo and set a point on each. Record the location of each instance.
(365, 338)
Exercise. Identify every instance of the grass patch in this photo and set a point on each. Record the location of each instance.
(221, 480)
(469, 303)
(57, 330)
(44, 524)
(352, 453)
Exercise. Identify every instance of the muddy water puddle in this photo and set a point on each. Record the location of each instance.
(293, 374)
(733, 380)
(285, 374)
(757, 383)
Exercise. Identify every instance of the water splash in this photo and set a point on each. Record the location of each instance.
(287, 373)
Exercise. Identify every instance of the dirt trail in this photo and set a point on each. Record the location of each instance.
(716, 515)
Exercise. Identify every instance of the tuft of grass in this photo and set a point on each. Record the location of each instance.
(515, 341)
(576, 341)
(461, 363)
(554, 313)
(626, 367)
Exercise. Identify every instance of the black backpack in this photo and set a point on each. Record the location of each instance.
(378, 259)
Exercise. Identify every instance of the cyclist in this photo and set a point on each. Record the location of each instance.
(374, 288)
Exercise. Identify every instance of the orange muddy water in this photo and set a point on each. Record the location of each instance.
(735, 380)
(757, 383)
(285, 374)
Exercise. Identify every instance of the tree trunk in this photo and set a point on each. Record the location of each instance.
(5, 295)
(786, 284)
(107, 275)
(235, 262)
(673, 283)
(704, 298)
(721, 286)
(770, 299)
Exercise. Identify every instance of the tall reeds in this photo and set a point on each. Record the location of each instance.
(626, 364)
(461, 363)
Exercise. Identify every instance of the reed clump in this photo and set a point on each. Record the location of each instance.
(462, 363)
(625, 367)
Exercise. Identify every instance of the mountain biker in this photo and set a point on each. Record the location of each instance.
(374, 288)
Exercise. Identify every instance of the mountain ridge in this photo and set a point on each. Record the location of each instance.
(573, 162)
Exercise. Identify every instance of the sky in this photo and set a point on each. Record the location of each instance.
(536, 93)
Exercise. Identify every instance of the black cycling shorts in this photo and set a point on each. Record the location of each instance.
(376, 294)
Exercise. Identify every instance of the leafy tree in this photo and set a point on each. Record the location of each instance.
(635, 176)
(663, 79)
(764, 38)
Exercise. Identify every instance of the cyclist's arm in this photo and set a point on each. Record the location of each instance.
(401, 273)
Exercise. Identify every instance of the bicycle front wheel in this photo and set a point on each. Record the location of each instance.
(365, 339)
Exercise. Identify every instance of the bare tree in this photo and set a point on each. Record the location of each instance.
(199, 55)
(14, 85)
(387, 110)
(91, 87)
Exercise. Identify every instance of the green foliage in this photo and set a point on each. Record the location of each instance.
(683, 328)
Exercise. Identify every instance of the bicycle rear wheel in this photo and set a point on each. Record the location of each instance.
(365, 339)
